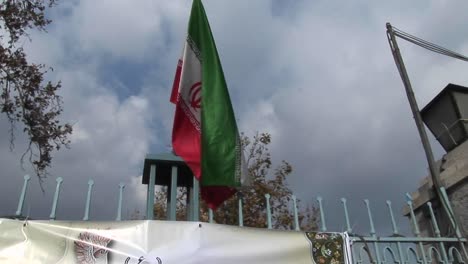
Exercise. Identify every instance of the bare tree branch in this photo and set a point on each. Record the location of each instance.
(25, 97)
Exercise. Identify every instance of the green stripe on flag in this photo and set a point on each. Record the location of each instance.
(220, 138)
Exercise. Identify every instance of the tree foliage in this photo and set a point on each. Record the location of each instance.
(25, 97)
(266, 180)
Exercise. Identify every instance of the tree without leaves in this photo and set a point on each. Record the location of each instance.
(25, 98)
(254, 202)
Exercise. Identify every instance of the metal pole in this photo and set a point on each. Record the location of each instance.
(296, 216)
(434, 171)
(150, 194)
(268, 208)
(119, 206)
(59, 181)
(19, 211)
(88, 200)
(414, 106)
(241, 215)
(173, 195)
(195, 204)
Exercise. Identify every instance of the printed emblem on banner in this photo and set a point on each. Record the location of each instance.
(91, 248)
(327, 248)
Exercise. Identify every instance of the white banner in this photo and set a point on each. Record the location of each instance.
(163, 242)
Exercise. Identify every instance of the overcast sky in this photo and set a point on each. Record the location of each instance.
(318, 75)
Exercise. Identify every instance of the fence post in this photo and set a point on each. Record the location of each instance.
(210, 215)
(241, 215)
(450, 215)
(119, 206)
(195, 202)
(267, 196)
(372, 230)
(345, 208)
(435, 226)
(59, 181)
(416, 228)
(150, 193)
(322, 214)
(296, 216)
(88, 200)
(395, 231)
(19, 211)
(172, 206)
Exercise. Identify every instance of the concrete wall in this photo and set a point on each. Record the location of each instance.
(454, 177)
(459, 199)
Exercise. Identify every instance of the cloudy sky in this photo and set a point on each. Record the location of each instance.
(317, 75)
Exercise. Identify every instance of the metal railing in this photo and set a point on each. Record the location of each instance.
(371, 248)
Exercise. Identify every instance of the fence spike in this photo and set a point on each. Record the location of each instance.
(392, 217)
(435, 225)
(433, 219)
(59, 181)
(119, 207)
(395, 230)
(345, 208)
(451, 218)
(322, 214)
(296, 215)
(413, 219)
(371, 220)
(88, 200)
(372, 230)
(416, 227)
(19, 211)
(267, 196)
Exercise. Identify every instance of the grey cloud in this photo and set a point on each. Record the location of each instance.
(343, 119)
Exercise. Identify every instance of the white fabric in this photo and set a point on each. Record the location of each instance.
(160, 242)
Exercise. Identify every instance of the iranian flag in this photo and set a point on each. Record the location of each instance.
(205, 133)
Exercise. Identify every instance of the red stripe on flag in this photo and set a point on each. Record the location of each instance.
(176, 84)
(186, 141)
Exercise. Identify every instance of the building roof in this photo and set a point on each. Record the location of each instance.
(449, 88)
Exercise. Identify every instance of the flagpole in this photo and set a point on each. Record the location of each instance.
(414, 106)
(434, 171)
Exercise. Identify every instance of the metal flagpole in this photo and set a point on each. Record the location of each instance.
(414, 106)
(435, 172)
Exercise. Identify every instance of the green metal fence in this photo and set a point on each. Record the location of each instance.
(370, 248)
